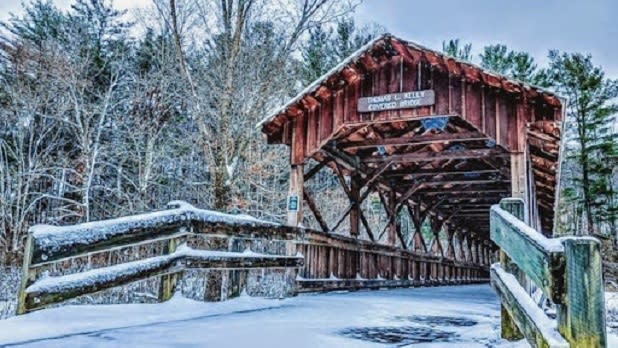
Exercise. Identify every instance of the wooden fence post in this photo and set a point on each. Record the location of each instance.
(168, 281)
(582, 319)
(27, 276)
(509, 329)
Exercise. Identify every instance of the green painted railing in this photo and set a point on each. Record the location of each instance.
(567, 270)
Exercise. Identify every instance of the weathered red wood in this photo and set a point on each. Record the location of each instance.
(338, 108)
(326, 119)
(473, 104)
(312, 131)
(441, 87)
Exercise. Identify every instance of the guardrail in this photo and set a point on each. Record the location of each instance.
(335, 262)
(48, 245)
(567, 270)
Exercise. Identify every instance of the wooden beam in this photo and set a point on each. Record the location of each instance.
(438, 171)
(396, 120)
(367, 227)
(544, 266)
(314, 209)
(354, 195)
(424, 139)
(470, 191)
(342, 217)
(464, 182)
(308, 175)
(295, 194)
(348, 161)
(437, 156)
(531, 320)
(73, 285)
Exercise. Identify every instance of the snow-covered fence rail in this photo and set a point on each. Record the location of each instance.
(335, 262)
(48, 245)
(567, 270)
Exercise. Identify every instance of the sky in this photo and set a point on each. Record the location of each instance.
(528, 25)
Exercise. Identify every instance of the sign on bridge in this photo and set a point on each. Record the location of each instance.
(397, 101)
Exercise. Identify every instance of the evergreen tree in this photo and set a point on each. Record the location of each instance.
(41, 21)
(455, 49)
(516, 65)
(99, 33)
(317, 54)
(348, 38)
(590, 107)
(496, 58)
(325, 48)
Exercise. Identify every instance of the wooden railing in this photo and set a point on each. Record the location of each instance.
(190, 238)
(235, 239)
(335, 262)
(567, 270)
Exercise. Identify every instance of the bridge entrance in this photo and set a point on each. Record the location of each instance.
(435, 141)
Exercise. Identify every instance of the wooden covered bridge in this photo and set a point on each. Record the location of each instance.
(441, 142)
(440, 138)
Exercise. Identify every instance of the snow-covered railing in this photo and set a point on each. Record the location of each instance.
(50, 244)
(567, 270)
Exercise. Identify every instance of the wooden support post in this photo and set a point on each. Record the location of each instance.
(436, 226)
(450, 251)
(471, 246)
(415, 216)
(477, 251)
(295, 196)
(237, 278)
(582, 319)
(392, 227)
(214, 277)
(314, 209)
(355, 187)
(509, 329)
(168, 281)
(518, 175)
(460, 240)
(27, 277)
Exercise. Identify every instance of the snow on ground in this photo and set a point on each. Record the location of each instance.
(429, 317)
(611, 306)
(463, 316)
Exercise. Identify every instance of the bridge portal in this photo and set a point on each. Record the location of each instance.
(426, 134)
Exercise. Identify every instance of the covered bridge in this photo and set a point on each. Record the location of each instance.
(440, 137)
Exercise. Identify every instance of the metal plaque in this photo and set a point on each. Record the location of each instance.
(293, 203)
(394, 101)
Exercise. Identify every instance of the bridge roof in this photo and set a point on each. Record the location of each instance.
(451, 153)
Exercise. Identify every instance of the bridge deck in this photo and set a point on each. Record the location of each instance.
(450, 316)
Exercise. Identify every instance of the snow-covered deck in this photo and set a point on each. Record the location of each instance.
(447, 316)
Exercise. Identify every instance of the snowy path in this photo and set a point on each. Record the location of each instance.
(450, 316)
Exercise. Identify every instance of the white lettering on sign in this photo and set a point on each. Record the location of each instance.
(396, 101)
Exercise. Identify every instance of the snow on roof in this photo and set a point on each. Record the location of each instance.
(357, 54)
(314, 86)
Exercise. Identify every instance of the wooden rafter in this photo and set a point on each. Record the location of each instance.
(424, 139)
(314, 209)
(437, 156)
(438, 171)
(313, 171)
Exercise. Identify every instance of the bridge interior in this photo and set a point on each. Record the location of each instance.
(438, 137)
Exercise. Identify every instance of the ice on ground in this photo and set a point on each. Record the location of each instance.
(456, 316)
(441, 317)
